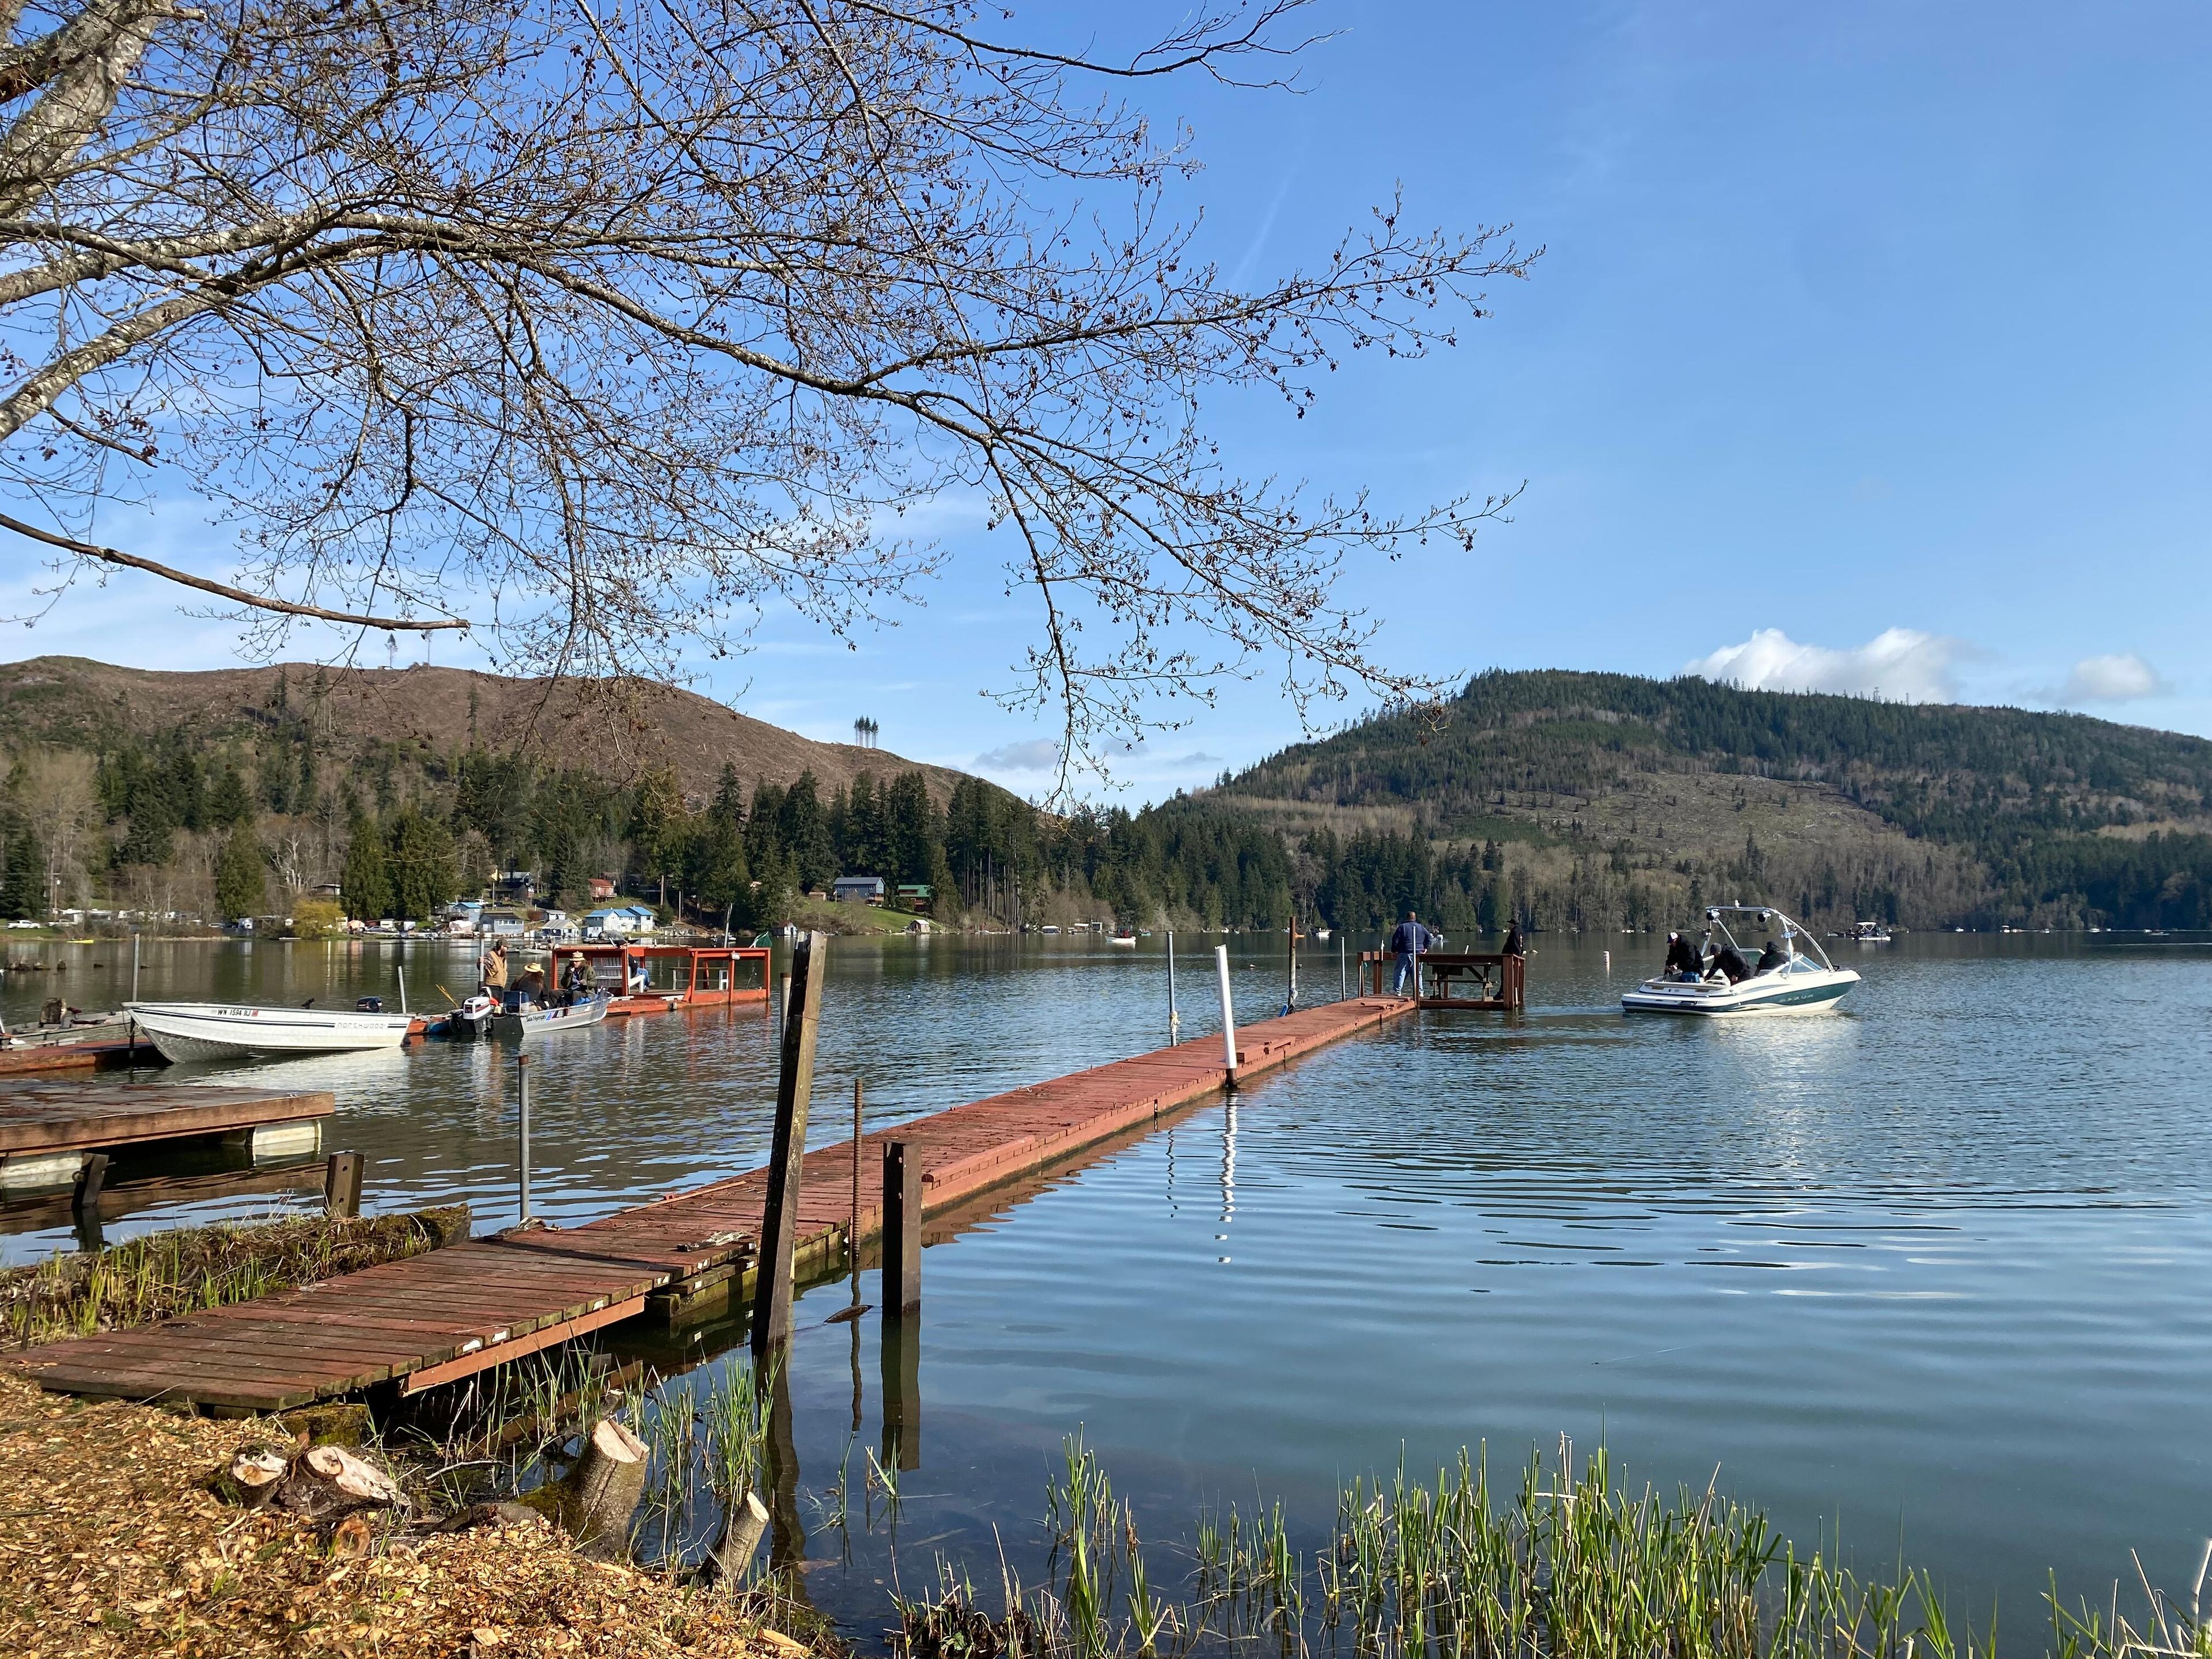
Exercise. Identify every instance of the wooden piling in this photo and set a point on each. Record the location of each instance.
(84, 1197)
(794, 1093)
(342, 1185)
(902, 1229)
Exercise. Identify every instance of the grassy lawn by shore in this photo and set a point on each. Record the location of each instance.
(830, 917)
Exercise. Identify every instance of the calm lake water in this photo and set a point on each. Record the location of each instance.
(1930, 1273)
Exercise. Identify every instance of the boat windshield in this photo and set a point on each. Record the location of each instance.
(1750, 928)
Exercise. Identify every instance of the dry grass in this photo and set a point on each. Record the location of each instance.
(163, 1275)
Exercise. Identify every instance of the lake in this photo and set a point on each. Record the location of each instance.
(1926, 1274)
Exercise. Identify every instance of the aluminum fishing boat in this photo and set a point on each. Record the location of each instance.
(214, 1031)
(529, 1022)
(1792, 975)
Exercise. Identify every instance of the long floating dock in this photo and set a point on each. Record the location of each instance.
(435, 1318)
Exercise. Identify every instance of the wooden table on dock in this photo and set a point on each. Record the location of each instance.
(47, 1125)
(1502, 979)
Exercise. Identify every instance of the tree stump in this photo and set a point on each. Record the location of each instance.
(255, 1474)
(606, 1486)
(742, 1526)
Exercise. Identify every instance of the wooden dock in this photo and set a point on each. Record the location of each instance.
(48, 1125)
(87, 1054)
(433, 1319)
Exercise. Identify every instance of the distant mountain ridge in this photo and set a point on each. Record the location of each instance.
(619, 733)
(1604, 785)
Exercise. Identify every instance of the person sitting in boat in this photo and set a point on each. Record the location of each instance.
(1774, 958)
(1684, 960)
(635, 980)
(1408, 940)
(576, 983)
(1732, 966)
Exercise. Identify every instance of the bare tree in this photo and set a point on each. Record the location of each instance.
(597, 331)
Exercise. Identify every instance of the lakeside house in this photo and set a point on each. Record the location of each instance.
(857, 890)
(625, 921)
(599, 887)
(917, 896)
(502, 921)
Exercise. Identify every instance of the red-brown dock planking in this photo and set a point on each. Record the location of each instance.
(434, 1318)
(106, 1054)
(41, 1118)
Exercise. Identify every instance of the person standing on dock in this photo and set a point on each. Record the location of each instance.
(1408, 941)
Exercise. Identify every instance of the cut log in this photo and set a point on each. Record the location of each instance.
(606, 1486)
(350, 1474)
(256, 1473)
(741, 1534)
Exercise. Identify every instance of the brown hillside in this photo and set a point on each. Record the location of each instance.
(619, 731)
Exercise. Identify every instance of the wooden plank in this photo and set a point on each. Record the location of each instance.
(39, 1115)
(499, 1353)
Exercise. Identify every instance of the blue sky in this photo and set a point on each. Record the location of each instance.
(1869, 350)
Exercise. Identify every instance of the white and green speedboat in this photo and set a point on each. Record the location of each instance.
(1791, 974)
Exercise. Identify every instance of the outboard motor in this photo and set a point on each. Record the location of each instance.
(368, 1005)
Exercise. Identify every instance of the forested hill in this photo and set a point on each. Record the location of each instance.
(1607, 800)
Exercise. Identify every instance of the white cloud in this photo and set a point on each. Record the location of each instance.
(2115, 678)
(1038, 755)
(1901, 663)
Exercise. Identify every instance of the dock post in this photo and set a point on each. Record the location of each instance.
(902, 1230)
(84, 1200)
(1290, 973)
(794, 1093)
(1343, 984)
(401, 971)
(1175, 1020)
(342, 1185)
(1228, 1012)
(522, 1133)
(853, 1235)
(783, 998)
(134, 964)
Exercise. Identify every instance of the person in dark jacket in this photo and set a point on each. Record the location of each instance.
(1733, 967)
(1408, 940)
(1775, 955)
(1515, 946)
(1682, 958)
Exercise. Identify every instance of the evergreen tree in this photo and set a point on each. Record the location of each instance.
(22, 869)
(228, 804)
(241, 876)
(421, 861)
(805, 832)
(365, 881)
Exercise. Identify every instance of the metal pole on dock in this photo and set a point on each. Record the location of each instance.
(522, 1132)
(134, 964)
(1227, 1011)
(1291, 972)
(1343, 984)
(1175, 1020)
(853, 1238)
(401, 972)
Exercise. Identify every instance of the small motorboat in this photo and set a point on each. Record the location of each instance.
(1800, 979)
(471, 1021)
(545, 1019)
(1868, 932)
(1127, 936)
(187, 1031)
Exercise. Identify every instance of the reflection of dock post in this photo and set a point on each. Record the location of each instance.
(901, 1365)
(794, 1090)
(788, 1532)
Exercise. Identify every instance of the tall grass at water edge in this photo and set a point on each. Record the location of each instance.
(1569, 1563)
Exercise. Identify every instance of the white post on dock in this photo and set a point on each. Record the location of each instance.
(1227, 1011)
(1175, 1020)
(134, 964)
(1343, 984)
(401, 971)
(522, 1132)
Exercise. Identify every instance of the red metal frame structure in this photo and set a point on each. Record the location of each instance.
(675, 975)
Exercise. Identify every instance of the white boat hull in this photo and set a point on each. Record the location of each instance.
(545, 1021)
(185, 1031)
(1800, 993)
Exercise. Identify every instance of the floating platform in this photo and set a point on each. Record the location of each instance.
(78, 1054)
(48, 1126)
(431, 1319)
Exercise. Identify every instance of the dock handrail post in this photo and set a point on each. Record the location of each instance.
(853, 1238)
(342, 1186)
(1175, 1020)
(134, 964)
(794, 1093)
(901, 1289)
(1343, 981)
(1227, 1011)
(522, 1135)
(1291, 972)
(401, 971)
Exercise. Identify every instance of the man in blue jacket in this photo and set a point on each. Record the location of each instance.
(1408, 941)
